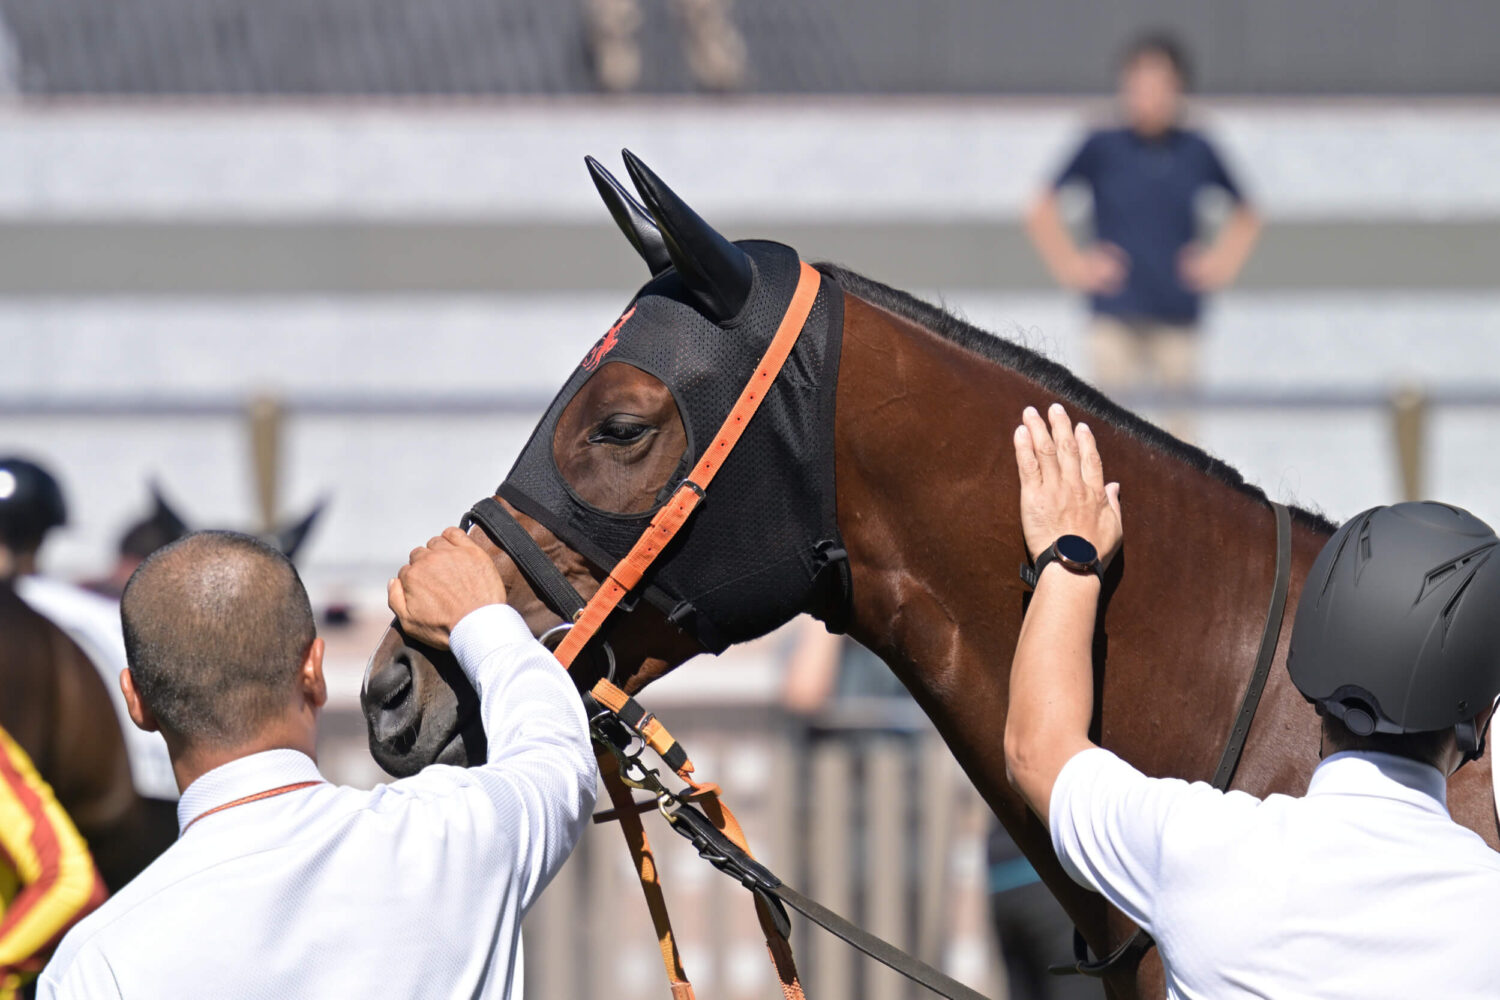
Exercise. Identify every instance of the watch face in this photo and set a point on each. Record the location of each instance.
(1075, 549)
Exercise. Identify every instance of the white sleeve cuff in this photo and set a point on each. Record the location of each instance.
(484, 630)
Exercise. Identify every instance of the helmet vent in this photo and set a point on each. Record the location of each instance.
(1362, 548)
(1334, 562)
(1439, 575)
(1450, 609)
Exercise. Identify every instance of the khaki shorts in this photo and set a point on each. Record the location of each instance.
(1144, 355)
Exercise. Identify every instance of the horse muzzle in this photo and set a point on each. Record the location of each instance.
(419, 708)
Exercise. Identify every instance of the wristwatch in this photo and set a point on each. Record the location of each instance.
(1075, 552)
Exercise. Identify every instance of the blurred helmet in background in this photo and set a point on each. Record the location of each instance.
(31, 504)
(1396, 629)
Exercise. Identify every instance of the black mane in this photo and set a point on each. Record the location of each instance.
(1053, 377)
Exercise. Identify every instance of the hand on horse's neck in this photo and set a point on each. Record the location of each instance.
(924, 457)
(928, 507)
(928, 502)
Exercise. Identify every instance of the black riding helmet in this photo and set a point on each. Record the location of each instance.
(31, 503)
(1396, 628)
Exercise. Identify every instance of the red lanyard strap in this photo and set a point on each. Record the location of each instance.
(267, 794)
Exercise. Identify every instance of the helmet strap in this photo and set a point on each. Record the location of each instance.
(1471, 740)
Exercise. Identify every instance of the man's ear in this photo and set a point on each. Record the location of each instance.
(310, 677)
(139, 713)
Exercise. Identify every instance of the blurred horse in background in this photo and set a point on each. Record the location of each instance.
(53, 702)
(926, 492)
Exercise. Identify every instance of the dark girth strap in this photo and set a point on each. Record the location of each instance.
(1135, 947)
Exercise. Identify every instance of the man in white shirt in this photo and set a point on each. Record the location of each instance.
(283, 885)
(31, 506)
(1363, 888)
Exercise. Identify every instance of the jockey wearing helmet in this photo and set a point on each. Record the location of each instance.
(31, 506)
(1364, 887)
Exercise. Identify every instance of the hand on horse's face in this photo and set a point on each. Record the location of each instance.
(443, 581)
(1063, 491)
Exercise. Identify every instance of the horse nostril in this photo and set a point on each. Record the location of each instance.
(396, 697)
(392, 685)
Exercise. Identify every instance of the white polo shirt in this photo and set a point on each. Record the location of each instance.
(414, 889)
(1364, 888)
(93, 623)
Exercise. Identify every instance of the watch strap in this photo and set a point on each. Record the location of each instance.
(1030, 574)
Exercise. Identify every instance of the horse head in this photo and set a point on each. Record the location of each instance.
(635, 417)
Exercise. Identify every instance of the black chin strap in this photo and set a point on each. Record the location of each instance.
(1129, 954)
(1471, 740)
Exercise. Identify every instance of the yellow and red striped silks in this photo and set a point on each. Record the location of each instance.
(48, 881)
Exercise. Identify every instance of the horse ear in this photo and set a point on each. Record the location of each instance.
(716, 271)
(167, 520)
(290, 537)
(633, 219)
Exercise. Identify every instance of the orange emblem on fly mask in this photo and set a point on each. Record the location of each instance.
(606, 343)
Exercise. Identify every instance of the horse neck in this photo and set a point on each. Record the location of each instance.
(27, 677)
(57, 709)
(927, 494)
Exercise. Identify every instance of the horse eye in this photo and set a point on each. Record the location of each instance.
(615, 431)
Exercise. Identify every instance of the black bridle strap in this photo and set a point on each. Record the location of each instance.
(545, 578)
(1135, 947)
(581, 544)
(879, 949)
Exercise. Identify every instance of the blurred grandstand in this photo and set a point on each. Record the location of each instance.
(550, 47)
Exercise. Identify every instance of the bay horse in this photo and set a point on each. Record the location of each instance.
(53, 702)
(925, 490)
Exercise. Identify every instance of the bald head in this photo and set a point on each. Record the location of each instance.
(216, 627)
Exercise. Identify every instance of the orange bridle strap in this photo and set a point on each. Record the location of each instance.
(629, 571)
(625, 577)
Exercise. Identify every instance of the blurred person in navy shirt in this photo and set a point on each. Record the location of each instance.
(1146, 271)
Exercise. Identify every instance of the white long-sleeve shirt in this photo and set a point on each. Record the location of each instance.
(413, 889)
(93, 622)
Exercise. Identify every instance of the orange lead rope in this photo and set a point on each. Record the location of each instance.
(626, 576)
